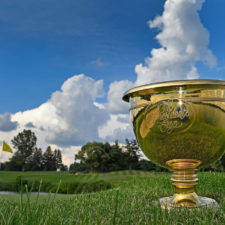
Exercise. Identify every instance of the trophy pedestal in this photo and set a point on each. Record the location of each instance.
(168, 203)
(185, 179)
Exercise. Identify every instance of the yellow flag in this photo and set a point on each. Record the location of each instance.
(6, 148)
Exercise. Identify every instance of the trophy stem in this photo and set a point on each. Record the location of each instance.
(185, 179)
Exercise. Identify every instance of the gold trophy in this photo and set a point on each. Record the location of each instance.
(180, 125)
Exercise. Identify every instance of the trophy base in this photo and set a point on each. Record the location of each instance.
(168, 203)
(185, 179)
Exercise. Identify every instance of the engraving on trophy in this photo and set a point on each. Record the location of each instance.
(172, 114)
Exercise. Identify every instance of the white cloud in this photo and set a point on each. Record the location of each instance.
(78, 116)
(184, 41)
(118, 127)
(70, 117)
(68, 153)
(115, 105)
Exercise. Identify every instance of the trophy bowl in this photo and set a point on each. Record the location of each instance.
(180, 125)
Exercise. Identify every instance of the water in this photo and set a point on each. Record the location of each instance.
(8, 193)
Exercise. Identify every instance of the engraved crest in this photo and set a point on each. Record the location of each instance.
(172, 114)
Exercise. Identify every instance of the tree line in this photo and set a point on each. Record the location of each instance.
(92, 157)
(28, 157)
(103, 157)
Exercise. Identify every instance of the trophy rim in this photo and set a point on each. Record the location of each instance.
(157, 87)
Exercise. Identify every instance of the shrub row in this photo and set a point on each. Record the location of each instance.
(64, 188)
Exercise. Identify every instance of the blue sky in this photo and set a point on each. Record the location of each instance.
(42, 43)
(45, 42)
(64, 65)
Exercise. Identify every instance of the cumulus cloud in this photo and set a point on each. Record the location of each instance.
(6, 124)
(184, 41)
(68, 153)
(115, 105)
(118, 127)
(78, 114)
(70, 116)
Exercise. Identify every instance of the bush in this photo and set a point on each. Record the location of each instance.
(64, 188)
(7, 187)
(34, 186)
(82, 187)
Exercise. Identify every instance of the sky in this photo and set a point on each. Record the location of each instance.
(64, 65)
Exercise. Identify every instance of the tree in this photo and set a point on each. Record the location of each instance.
(35, 161)
(25, 143)
(58, 159)
(94, 156)
(146, 165)
(99, 157)
(78, 167)
(49, 160)
(116, 158)
(64, 167)
(132, 153)
(15, 163)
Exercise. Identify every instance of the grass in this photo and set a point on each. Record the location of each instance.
(11, 181)
(53, 177)
(70, 184)
(132, 201)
